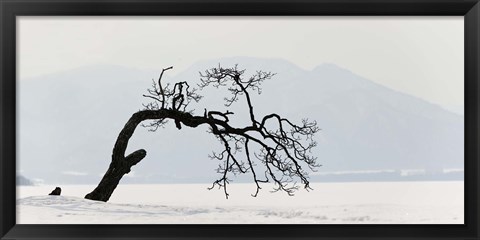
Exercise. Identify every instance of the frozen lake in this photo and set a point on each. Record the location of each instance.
(328, 203)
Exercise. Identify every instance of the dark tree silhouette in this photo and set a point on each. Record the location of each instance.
(279, 146)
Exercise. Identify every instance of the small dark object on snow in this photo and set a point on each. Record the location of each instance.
(57, 191)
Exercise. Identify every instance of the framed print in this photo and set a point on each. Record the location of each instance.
(271, 119)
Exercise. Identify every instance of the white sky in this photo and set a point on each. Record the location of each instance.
(422, 56)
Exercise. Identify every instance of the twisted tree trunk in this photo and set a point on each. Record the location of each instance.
(283, 152)
(122, 165)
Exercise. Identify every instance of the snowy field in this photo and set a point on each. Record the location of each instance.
(328, 203)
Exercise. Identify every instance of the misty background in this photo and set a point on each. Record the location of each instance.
(387, 93)
(68, 123)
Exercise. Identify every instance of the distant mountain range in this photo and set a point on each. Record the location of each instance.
(69, 121)
(23, 181)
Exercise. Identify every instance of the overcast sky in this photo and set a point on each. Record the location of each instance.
(421, 56)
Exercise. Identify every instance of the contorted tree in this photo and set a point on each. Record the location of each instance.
(282, 148)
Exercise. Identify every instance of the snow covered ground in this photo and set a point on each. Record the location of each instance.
(328, 203)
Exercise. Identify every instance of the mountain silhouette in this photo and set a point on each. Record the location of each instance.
(68, 123)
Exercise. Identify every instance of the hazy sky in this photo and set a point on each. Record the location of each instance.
(422, 56)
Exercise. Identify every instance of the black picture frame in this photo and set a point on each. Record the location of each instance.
(9, 9)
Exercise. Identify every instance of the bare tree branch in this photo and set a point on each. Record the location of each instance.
(281, 149)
